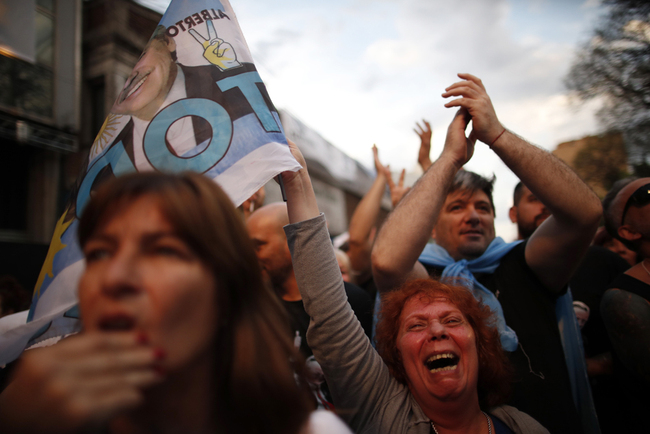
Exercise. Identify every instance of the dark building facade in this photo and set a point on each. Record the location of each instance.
(62, 65)
(40, 75)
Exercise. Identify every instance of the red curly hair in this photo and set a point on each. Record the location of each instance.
(495, 370)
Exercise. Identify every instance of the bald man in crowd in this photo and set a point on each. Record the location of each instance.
(626, 307)
(265, 229)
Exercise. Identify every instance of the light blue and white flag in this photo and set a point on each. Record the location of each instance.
(194, 101)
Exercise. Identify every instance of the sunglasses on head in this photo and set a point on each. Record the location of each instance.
(639, 198)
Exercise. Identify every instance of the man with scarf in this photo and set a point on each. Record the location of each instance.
(519, 281)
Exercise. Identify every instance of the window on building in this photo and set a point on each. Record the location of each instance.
(29, 87)
(45, 33)
(14, 182)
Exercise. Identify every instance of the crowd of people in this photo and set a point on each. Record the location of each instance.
(199, 318)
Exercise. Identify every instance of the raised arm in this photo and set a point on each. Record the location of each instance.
(397, 191)
(364, 221)
(555, 249)
(424, 133)
(408, 228)
(358, 379)
(301, 200)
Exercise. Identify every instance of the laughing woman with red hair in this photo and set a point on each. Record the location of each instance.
(441, 368)
(494, 373)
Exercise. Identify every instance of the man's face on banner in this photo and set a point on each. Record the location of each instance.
(148, 85)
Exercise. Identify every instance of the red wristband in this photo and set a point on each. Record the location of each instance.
(504, 130)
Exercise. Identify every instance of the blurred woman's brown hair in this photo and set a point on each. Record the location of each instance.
(255, 390)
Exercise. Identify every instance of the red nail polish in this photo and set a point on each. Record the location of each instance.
(142, 338)
(159, 353)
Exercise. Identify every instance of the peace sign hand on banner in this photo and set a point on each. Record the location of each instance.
(219, 53)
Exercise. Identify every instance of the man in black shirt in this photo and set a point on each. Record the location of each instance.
(588, 284)
(598, 268)
(626, 307)
(456, 208)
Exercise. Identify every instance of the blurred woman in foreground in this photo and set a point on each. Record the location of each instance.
(179, 332)
(443, 369)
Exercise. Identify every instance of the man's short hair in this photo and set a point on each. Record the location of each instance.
(612, 219)
(518, 193)
(473, 182)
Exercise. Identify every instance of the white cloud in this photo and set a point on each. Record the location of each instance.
(589, 4)
(363, 71)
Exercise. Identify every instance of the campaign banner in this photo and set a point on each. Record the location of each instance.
(194, 101)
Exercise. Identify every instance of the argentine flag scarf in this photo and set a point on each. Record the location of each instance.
(463, 270)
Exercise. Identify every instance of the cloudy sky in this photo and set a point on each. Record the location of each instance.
(364, 71)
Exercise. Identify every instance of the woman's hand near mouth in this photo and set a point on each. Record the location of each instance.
(80, 382)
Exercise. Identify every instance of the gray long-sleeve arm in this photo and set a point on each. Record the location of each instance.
(361, 385)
